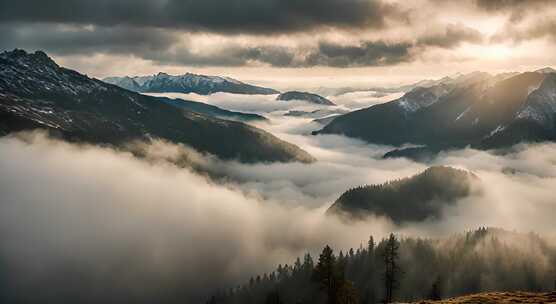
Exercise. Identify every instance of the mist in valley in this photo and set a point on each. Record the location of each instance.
(97, 223)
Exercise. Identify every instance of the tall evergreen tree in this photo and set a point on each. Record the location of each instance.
(371, 245)
(435, 291)
(273, 298)
(392, 269)
(325, 274)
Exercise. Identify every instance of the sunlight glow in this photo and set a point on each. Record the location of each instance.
(490, 52)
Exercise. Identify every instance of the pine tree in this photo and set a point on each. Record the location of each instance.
(212, 300)
(297, 266)
(308, 265)
(371, 245)
(392, 269)
(273, 298)
(435, 291)
(325, 274)
(347, 294)
(370, 296)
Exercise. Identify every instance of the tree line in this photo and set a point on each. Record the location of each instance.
(406, 269)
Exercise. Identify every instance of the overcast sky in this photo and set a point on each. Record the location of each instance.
(284, 42)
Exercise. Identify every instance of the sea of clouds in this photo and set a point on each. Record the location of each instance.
(95, 223)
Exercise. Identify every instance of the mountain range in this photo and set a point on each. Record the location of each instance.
(36, 93)
(410, 199)
(187, 83)
(477, 109)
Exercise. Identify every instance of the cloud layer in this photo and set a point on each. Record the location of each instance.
(233, 16)
(136, 231)
(272, 33)
(88, 222)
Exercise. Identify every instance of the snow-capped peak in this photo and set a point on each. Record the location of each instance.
(187, 83)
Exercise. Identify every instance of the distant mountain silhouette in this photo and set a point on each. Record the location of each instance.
(187, 83)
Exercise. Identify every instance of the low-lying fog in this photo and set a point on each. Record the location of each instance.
(74, 216)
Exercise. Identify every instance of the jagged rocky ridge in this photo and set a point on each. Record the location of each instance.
(477, 109)
(36, 93)
(187, 83)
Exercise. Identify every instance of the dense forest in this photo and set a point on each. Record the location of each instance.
(410, 199)
(406, 269)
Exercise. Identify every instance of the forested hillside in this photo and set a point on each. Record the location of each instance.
(407, 269)
(409, 199)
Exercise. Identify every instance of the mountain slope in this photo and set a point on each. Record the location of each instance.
(414, 198)
(535, 120)
(187, 83)
(36, 93)
(309, 97)
(211, 110)
(458, 113)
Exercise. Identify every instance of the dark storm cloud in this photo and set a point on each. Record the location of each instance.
(171, 48)
(230, 55)
(224, 16)
(517, 9)
(452, 36)
(380, 53)
(155, 30)
(366, 54)
(497, 5)
(70, 40)
(158, 45)
(543, 28)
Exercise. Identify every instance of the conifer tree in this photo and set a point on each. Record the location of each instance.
(392, 269)
(325, 274)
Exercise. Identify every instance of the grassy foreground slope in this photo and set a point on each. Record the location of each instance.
(500, 297)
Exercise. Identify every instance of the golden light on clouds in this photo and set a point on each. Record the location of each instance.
(489, 51)
(386, 42)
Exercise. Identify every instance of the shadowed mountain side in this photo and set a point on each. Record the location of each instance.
(36, 93)
(213, 111)
(480, 110)
(410, 199)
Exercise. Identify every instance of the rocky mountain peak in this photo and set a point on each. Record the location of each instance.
(23, 57)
